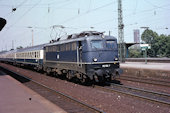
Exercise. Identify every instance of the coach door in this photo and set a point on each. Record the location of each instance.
(79, 54)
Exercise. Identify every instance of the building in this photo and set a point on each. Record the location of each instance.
(136, 38)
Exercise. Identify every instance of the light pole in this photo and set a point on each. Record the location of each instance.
(121, 32)
(32, 35)
(145, 47)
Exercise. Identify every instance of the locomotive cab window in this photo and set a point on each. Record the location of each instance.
(111, 44)
(97, 44)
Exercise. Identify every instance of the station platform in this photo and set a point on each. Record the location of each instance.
(17, 98)
(149, 65)
(149, 69)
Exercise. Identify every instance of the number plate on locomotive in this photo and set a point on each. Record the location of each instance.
(106, 65)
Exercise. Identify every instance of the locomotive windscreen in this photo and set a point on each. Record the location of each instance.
(111, 44)
(97, 44)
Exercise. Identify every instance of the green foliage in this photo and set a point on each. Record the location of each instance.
(148, 36)
(168, 47)
(135, 53)
(160, 45)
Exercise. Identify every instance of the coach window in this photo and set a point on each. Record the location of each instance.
(34, 54)
(31, 54)
(37, 54)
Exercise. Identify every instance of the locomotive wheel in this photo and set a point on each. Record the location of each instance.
(48, 71)
(83, 79)
(68, 75)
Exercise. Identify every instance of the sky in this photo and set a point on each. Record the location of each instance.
(45, 18)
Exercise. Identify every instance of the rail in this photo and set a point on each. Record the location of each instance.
(158, 97)
(94, 109)
(148, 81)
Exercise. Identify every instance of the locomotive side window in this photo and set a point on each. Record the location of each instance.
(62, 47)
(50, 49)
(53, 48)
(68, 47)
(111, 44)
(73, 46)
(97, 44)
(57, 47)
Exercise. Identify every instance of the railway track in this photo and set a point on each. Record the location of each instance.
(158, 97)
(148, 81)
(66, 102)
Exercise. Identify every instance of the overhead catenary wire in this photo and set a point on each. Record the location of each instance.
(98, 24)
(82, 14)
(24, 15)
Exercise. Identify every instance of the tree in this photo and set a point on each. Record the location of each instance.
(168, 47)
(135, 53)
(148, 36)
(161, 46)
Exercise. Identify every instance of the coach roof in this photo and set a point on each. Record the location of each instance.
(33, 48)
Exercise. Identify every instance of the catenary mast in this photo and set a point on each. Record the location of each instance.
(121, 33)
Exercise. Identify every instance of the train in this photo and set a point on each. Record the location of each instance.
(86, 56)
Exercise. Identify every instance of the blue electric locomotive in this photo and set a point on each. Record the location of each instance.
(87, 56)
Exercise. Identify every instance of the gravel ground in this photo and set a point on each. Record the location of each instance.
(108, 102)
(162, 89)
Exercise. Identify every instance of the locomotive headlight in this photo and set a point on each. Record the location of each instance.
(116, 59)
(95, 59)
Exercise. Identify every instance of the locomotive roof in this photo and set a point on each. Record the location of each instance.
(82, 36)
